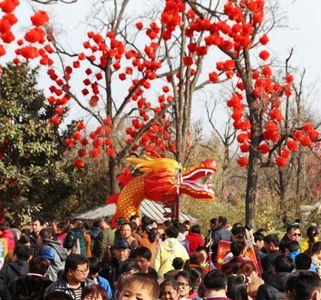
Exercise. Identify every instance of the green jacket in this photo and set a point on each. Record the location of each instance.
(104, 240)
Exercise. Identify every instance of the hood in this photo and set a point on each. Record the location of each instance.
(61, 251)
(170, 245)
(279, 280)
(20, 267)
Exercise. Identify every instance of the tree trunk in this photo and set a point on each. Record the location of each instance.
(112, 169)
(251, 187)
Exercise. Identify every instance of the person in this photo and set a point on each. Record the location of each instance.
(75, 241)
(135, 219)
(274, 287)
(215, 283)
(208, 265)
(220, 233)
(60, 253)
(169, 290)
(259, 242)
(127, 269)
(135, 229)
(303, 262)
(178, 265)
(237, 288)
(312, 234)
(60, 295)
(194, 239)
(126, 235)
(142, 257)
(74, 278)
(119, 222)
(105, 239)
(316, 257)
(149, 240)
(31, 286)
(95, 292)
(111, 270)
(307, 286)
(238, 251)
(61, 233)
(168, 250)
(185, 281)
(181, 234)
(292, 249)
(271, 247)
(138, 286)
(6, 233)
(293, 233)
(94, 267)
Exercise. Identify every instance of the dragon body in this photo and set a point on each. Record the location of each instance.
(162, 179)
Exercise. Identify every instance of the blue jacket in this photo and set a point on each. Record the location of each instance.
(105, 284)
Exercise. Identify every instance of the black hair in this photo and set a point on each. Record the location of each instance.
(73, 260)
(292, 226)
(258, 237)
(180, 227)
(133, 217)
(39, 265)
(25, 231)
(272, 239)
(133, 226)
(237, 288)
(24, 240)
(283, 263)
(45, 234)
(312, 232)
(196, 229)
(41, 221)
(201, 248)
(142, 252)
(124, 224)
(178, 263)
(171, 232)
(237, 247)
(62, 226)
(168, 223)
(196, 259)
(238, 231)
(213, 221)
(215, 280)
(128, 266)
(222, 220)
(316, 247)
(94, 290)
(67, 294)
(94, 265)
(292, 246)
(4, 225)
(22, 252)
(305, 285)
(303, 261)
(188, 276)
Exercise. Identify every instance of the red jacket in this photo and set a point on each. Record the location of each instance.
(194, 240)
(8, 235)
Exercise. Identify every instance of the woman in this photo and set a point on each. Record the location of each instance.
(237, 288)
(169, 290)
(312, 234)
(186, 282)
(126, 235)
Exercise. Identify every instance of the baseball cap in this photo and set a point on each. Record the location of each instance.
(121, 244)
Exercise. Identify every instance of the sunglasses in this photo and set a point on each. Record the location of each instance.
(296, 234)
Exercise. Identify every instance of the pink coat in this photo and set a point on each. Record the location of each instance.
(8, 235)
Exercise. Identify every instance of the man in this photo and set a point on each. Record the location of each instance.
(11, 272)
(215, 283)
(168, 250)
(220, 233)
(142, 257)
(271, 247)
(74, 279)
(111, 271)
(105, 239)
(307, 287)
(275, 285)
(75, 240)
(59, 257)
(36, 226)
(293, 233)
(238, 251)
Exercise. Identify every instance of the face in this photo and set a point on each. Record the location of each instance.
(137, 221)
(184, 287)
(260, 244)
(102, 224)
(135, 292)
(169, 293)
(122, 254)
(80, 274)
(125, 231)
(143, 263)
(36, 226)
(93, 297)
(294, 234)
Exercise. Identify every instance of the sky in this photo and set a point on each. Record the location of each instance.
(302, 32)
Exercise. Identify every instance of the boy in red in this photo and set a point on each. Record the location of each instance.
(215, 283)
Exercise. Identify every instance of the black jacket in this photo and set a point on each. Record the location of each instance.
(274, 288)
(61, 285)
(29, 287)
(268, 264)
(9, 273)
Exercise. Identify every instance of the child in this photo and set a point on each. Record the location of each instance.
(138, 286)
(142, 257)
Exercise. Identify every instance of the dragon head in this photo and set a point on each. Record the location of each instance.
(165, 179)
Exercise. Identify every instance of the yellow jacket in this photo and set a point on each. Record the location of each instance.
(165, 254)
(304, 245)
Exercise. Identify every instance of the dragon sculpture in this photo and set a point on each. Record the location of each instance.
(162, 179)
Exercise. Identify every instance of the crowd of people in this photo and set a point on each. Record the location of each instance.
(143, 260)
